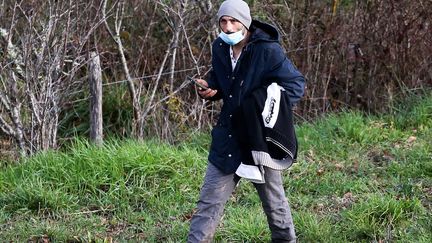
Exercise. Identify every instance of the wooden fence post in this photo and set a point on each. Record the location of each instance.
(95, 81)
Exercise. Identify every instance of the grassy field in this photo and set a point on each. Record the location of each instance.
(358, 179)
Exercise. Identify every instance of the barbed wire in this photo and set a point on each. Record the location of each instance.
(178, 71)
(155, 75)
(184, 84)
(191, 69)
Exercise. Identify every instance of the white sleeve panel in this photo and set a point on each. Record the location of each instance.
(271, 108)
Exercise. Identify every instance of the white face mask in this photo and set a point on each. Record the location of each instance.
(233, 38)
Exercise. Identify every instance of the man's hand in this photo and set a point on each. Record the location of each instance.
(208, 93)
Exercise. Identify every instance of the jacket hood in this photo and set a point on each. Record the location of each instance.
(263, 32)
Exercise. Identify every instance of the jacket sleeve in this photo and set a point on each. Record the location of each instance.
(282, 71)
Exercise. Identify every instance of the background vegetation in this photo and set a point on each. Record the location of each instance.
(364, 170)
(360, 55)
(358, 179)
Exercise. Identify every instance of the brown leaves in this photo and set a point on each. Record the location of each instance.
(347, 200)
(380, 158)
(39, 239)
(411, 140)
(339, 166)
(335, 203)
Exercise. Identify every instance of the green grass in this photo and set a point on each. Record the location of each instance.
(358, 179)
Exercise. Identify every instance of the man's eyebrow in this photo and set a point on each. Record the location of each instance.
(229, 18)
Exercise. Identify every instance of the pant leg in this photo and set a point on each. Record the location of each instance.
(276, 207)
(215, 192)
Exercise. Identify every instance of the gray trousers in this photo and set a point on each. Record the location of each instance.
(216, 191)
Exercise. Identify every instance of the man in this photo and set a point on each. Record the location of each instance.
(245, 56)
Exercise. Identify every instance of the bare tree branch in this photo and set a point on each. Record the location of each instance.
(116, 37)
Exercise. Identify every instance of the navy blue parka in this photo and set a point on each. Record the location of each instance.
(261, 62)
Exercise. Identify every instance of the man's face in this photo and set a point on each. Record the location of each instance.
(230, 25)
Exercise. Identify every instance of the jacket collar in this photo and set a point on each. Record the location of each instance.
(222, 52)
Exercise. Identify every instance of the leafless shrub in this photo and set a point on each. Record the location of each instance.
(355, 54)
(41, 58)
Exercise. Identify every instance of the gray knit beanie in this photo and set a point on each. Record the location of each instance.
(237, 9)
